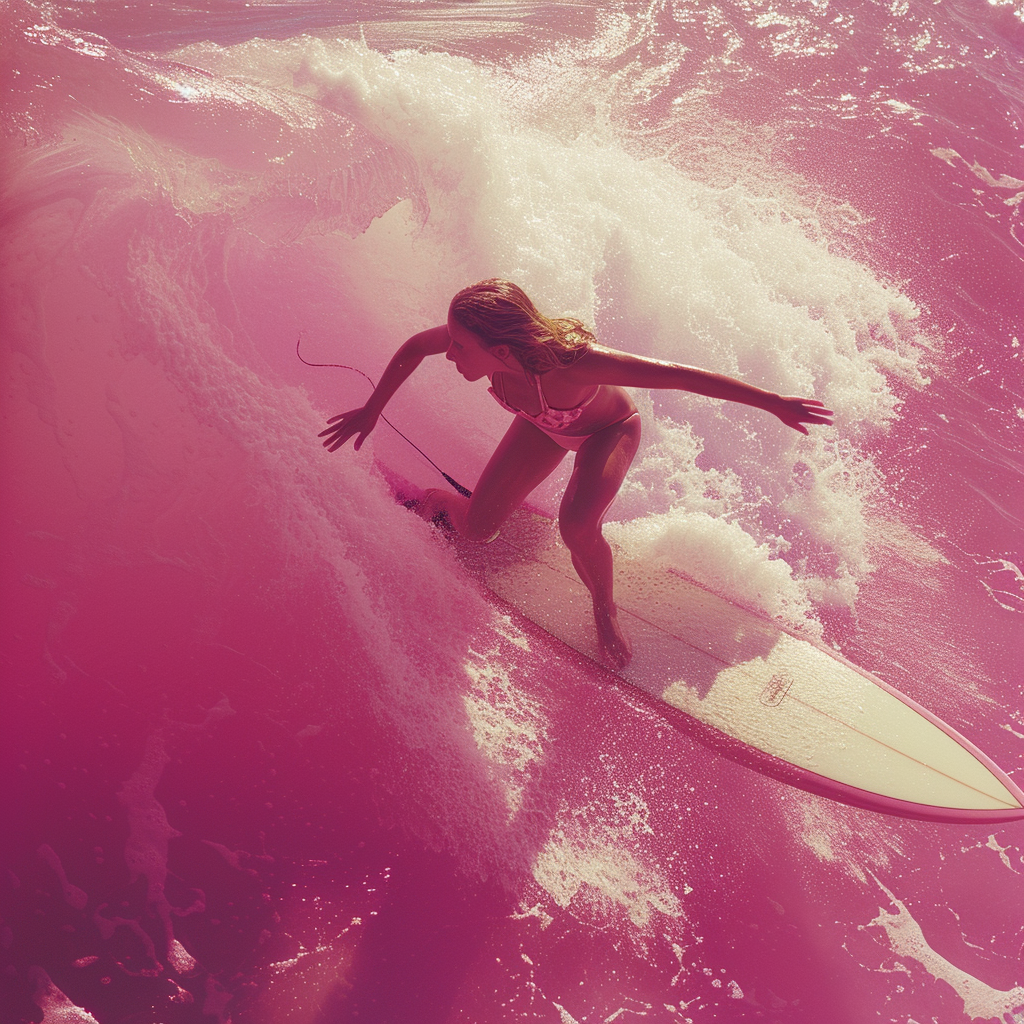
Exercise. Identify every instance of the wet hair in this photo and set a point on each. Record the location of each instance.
(501, 313)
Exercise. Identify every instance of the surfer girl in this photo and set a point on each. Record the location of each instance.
(567, 394)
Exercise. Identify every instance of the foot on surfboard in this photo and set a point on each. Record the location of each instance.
(440, 518)
(615, 646)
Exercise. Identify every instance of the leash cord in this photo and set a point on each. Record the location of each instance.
(464, 491)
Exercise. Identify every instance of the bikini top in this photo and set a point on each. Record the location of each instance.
(555, 420)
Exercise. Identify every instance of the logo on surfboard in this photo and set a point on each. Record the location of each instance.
(775, 692)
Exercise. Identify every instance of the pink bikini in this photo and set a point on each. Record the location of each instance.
(552, 421)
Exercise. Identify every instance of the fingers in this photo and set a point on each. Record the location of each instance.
(332, 444)
(798, 411)
(332, 432)
(340, 433)
(335, 424)
(351, 414)
(813, 405)
(809, 405)
(813, 411)
(340, 428)
(337, 437)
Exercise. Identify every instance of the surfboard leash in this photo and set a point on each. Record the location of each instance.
(464, 491)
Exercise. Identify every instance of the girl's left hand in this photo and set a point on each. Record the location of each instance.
(795, 412)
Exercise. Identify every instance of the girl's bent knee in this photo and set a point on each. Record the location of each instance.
(579, 535)
(480, 531)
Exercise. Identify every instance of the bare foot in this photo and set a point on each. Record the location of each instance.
(615, 647)
(433, 507)
(432, 501)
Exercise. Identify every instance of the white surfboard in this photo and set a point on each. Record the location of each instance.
(827, 725)
(764, 696)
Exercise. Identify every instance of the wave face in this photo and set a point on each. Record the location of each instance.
(279, 758)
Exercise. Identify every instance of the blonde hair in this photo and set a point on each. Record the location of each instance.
(501, 313)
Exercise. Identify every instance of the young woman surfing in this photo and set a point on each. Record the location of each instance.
(567, 394)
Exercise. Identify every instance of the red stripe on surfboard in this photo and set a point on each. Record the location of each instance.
(997, 773)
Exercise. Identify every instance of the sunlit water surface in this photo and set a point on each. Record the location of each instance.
(275, 756)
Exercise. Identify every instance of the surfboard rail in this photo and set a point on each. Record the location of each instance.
(855, 796)
(803, 778)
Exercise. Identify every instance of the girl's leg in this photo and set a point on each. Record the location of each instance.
(601, 465)
(524, 457)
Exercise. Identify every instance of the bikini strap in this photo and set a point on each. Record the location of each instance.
(540, 393)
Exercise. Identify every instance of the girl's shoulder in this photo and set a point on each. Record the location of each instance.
(603, 365)
(595, 357)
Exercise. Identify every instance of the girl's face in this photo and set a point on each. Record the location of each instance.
(472, 358)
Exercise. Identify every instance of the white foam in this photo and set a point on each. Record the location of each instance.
(981, 1001)
(668, 266)
(149, 830)
(508, 725)
(720, 553)
(843, 836)
(595, 859)
(733, 268)
(73, 895)
(180, 958)
(993, 844)
(56, 1006)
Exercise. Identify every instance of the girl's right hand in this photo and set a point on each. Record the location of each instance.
(340, 428)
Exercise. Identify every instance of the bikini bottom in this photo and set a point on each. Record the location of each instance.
(573, 442)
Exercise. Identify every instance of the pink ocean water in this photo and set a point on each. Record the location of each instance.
(270, 755)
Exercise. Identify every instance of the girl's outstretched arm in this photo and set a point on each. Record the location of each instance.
(608, 366)
(361, 421)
